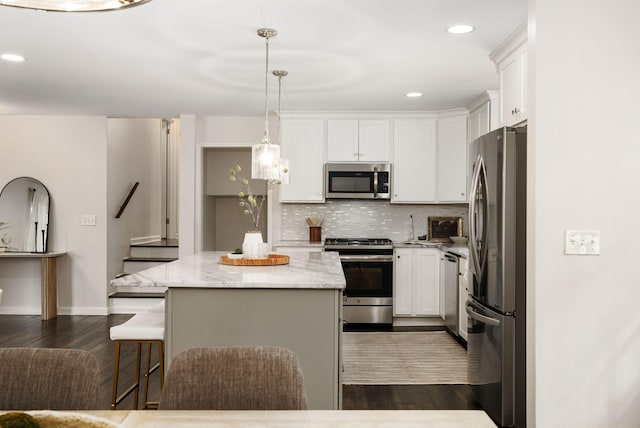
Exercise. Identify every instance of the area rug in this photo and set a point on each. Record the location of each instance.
(403, 358)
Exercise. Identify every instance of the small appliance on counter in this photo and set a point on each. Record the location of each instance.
(440, 229)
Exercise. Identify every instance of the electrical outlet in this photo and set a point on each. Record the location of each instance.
(88, 220)
(582, 242)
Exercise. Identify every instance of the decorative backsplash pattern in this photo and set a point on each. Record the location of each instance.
(364, 219)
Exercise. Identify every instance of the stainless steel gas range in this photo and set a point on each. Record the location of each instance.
(368, 269)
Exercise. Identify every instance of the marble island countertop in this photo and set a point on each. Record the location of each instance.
(320, 270)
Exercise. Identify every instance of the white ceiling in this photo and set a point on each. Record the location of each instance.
(169, 57)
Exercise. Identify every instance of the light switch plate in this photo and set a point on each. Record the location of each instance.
(582, 242)
(88, 220)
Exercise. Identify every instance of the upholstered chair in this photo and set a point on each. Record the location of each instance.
(234, 378)
(43, 378)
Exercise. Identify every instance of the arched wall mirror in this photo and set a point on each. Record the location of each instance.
(24, 216)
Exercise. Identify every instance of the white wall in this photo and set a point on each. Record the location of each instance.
(68, 155)
(584, 150)
(197, 134)
(134, 154)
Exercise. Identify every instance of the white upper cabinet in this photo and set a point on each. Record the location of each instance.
(511, 61)
(350, 140)
(430, 160)
(484, 113)
(414, 161)
(303, 145)
(452, 159)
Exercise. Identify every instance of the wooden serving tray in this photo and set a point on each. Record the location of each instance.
(271, 260)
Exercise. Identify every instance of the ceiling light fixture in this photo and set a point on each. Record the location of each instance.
(72, 5)
(284, 163)
(265, 157)
(414, 95)
(10, 57)
(460, 29)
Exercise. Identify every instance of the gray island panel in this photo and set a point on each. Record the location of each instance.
(297, 305)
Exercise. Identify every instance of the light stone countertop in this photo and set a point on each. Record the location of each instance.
(288, 418)
(316, 270)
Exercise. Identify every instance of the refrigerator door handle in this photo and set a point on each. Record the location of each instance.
(473, 218)
(482, 318)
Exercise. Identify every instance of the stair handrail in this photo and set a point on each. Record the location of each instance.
(126, 201)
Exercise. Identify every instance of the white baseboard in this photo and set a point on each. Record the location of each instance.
(35, 310)
(144, 239)
(417, 322)
(82, 311)
(19, 310)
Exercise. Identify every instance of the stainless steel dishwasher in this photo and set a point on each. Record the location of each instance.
(451, 293)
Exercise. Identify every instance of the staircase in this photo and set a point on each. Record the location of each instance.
(126, 300)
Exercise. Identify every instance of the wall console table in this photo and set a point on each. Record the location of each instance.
(48, 279)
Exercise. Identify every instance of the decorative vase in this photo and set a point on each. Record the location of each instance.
(253, 247)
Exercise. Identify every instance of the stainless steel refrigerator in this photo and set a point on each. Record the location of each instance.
(497, 245)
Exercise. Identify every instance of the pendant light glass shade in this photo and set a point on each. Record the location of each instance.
(265, 157)
(265, 161)
(72, 5)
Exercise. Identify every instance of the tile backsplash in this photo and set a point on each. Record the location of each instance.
(364, 219)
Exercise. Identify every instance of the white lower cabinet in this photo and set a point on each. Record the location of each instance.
(416, 285)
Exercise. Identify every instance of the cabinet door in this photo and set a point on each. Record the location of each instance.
(479, 121)
(427, 286)
(403, 282)
(302, 144)
(373, 137)
(342, 140)
(452, 159)
(513, 88)
(414, 161)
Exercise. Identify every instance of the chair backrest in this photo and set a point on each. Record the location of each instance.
(234, 378)
(42, 378)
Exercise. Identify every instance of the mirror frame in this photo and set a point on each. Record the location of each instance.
(43, 232)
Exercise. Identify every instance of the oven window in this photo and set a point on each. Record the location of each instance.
(368, 279)
(350, 182)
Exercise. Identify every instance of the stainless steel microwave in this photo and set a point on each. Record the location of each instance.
(358, 180)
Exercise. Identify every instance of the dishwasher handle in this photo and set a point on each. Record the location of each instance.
(479, 317)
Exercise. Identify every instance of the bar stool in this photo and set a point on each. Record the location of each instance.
(143, 328)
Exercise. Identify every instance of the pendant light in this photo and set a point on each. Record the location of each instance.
(265, 157)
(284, 163)
(72, 5)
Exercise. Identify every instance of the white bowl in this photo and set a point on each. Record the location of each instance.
(234, 256)
(460, 240)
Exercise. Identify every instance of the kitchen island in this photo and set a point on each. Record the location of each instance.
(297, 305)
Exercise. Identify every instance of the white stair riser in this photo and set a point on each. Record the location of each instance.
(119, 305)
(133, 266)
(151, 252)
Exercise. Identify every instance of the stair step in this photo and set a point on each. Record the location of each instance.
(154, 251)
(133, 264)
(131, 295)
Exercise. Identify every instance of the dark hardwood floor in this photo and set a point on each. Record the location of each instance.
(92, 334)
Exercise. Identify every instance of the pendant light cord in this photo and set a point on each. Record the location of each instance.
(266, 94)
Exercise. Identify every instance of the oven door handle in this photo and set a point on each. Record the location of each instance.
(365, 258)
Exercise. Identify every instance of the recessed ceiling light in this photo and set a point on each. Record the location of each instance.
(12, 57)
(414, 94)
(460, 29)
